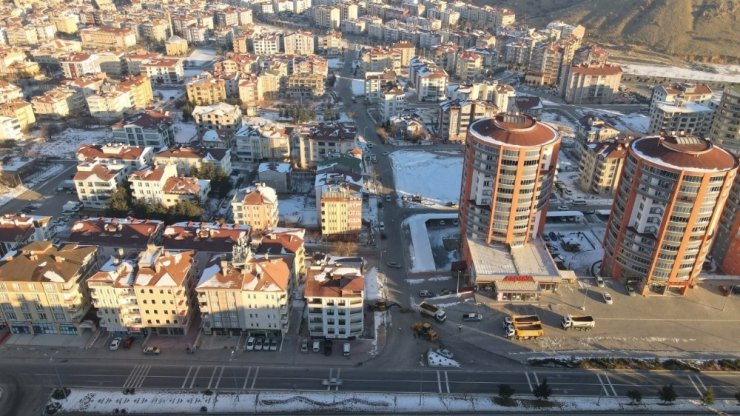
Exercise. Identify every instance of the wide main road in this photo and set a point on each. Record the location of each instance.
(233, 376)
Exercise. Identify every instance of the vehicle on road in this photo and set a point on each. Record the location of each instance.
(386, 153)
(250, 344)
(472, 317)
(114, 344)
(424, 330)
(128, 342)
(600, 282)
(387, 198)
(607, 298)
(151, 350)
(346, 349)
(393, 264)
(581, 323)
(426, 293)
(332, 381)
(381, 226)
(445, 292)
(433, 311)
(304, 345)
(525, 327)
(273, 344)
(631, 290)
(563, 208)
(71, 206)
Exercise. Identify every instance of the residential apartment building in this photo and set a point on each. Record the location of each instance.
(220, 116)
(247, 294)
(10, 128)
(18, 230)
(666, 211)
(316, 142)
(153, 294)
(161, 185)
(327, 16)
(334, 296)
(339, 208)
(681, 107)
(379, 59)
(305, 85)
(266, 44)
(43, 289)
(189, 157)
(59, 102)
(75, 65)
(725, 131)
(99, 37)
(116, 236)
(262, 141)
(148, 128)
(455, 116)
(726, 249)
(508, 174)
(21, 111)
(164, 71)
(468, 65)
(206, 91)
(110, 104)
(9, 92)
(256, 206)
(299, 43)
(375, 82)
(430, 80)
(600, 166)
(592, 84)
(176, 46)
(392, 102)
(96, 182)
(130, 157)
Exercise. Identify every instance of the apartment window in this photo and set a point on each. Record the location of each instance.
(27, 316)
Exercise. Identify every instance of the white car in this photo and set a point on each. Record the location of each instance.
(114, 344)
(600, 282)
(250, 344)
(508, 322)
(607, 298)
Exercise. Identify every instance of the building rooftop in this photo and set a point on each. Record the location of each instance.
(517, 130)
(209, 237)
(41, 262)
(683, 153)
(494, 262)
(115, 232)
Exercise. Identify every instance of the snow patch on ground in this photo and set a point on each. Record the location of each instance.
(372, 285)
(725, 73)
(299, 209)
(66, 143)
(335, 63)
(201, 56)
(154, 401)
(168, 95)
(436, 360)
(184, 132)
(430, 279)
(421, 248)
(413, 169)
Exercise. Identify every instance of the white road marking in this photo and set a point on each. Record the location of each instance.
(213, 374)
(195, 376)
(536, 379)
(447, 382)
(439, 382)
(529, 381)
(606, 392)
(691, 379)
(700, 382)
(254, 381)
(137, 376)
(246, 378)
(218, 380)
(606, 377)
(187, 376)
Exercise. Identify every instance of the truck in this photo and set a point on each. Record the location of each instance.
(435, 312)
(521, 319)
(71, 206)
(424, 330)
(525, 331)
(581, 323)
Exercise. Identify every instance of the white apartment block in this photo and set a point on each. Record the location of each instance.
(9, 92)
(299, 43)
(266, 44)
(429, 79)
(76, 65)
(262, 141)
(252, 294)
(147, 128)
(95, 183)
(131, 157)
(10, 128)
(220, 116)
(163, 71)
(316, 142)
(392, 102)
(334, 297)
(256, 206)
(162, 185)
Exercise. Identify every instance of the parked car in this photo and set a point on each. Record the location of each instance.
(472, 317)
(151, 350)
(600, 282)
(563, 208)
(304, 345)
(327, 347)
(316, 346)
(393, 264)
(273, 344)
(607, 298)
(250, 344)
(258, 344)
(630, 290)
(332, 381)
(445, 292)
(128, 342)
(114, 344)
(426, 294)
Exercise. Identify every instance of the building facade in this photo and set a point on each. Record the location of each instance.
(665, 212)
(334, 297)
(508, 174)
(725, 131)
(256, 206)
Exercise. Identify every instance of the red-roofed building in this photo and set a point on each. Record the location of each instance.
(147, 128)
(592, 84)
(335, 299)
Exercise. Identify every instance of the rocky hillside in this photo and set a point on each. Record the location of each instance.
(706, 29)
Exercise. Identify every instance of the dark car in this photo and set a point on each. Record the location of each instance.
(725, 290)
(426, 294)
(327, 347)
(127, 343)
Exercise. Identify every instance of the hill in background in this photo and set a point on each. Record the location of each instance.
(699, 29)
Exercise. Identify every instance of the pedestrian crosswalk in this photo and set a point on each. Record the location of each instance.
(137, 376)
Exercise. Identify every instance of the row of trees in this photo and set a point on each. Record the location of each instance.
(542, 391)
(121, 205)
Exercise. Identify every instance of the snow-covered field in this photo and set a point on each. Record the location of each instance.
(634, 122)
(168, 95)
(299, 210)
(66, 143)
(184, 132)
(420, 250)
(335, 63)
(201, 56)
(154, 401)
(435, 176)
(559, 122)
(725, 73)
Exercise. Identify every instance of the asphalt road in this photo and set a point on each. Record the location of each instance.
(46, 194)
(233, 376)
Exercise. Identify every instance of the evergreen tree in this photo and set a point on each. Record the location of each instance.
(505, 391)
(543, 390)
(635, 396)
(119, 203)
(667, 394)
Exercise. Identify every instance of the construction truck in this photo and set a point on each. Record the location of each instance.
(424, 330)
(525, 331)
(581, 323)
(433, 311)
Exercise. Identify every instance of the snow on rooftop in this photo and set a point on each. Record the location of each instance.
(53, 276)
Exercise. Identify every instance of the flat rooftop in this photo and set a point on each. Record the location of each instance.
(494, 262)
